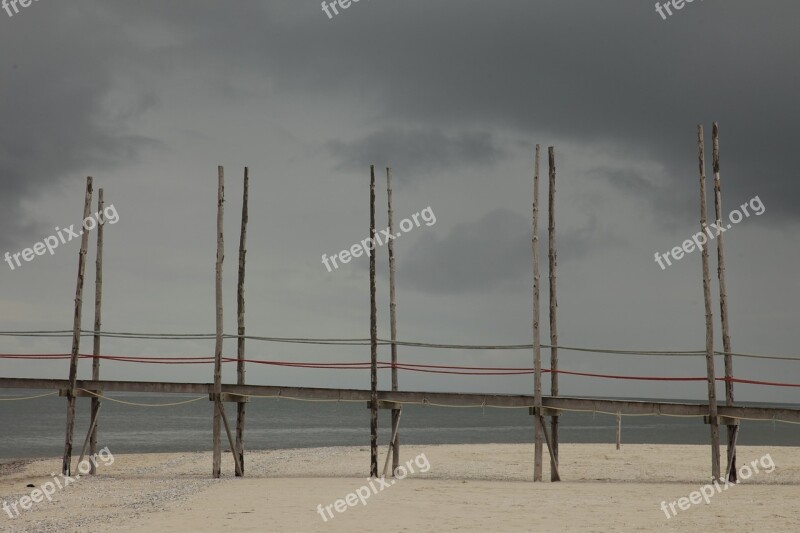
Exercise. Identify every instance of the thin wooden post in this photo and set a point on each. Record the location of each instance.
(537, 355)
(730, 473)
(86, 442)
(240, 407)
(619, 429)
(393, 324)
(395, 428)
(553, 306)
(76, 334)
(373, 333)
(723, 306)
(237, 465)
(98, 300)
(712, 394)
(554, 475)
(217, 460)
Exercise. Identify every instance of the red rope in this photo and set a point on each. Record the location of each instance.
(411, 367)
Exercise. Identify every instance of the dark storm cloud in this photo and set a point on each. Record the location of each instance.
(608, 75)
(57, 121)
(602, 74)
(416, 151)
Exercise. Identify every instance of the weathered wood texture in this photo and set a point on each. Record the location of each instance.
(553, 308)
(240, 346)
(217, 445)
(98, 321)
(537, 342)
(373, 335)
(723, 303)
(712, 394)
(395, 446)
(76, 334)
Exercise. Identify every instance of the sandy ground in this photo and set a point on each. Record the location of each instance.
(466, 488)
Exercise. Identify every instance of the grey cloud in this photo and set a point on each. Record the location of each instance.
(416, 151)
(624, 76)
(64, 125)
(486, 253)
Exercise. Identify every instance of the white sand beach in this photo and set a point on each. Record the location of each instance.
(467, 488)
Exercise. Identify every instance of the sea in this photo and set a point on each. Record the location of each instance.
(35, 427)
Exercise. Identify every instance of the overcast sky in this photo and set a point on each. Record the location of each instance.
(148, 97)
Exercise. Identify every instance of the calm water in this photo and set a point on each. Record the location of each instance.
(35, 428)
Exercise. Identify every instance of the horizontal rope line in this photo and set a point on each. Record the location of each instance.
(382, 365)
(27, 397)
(143, 404)
(383, 342)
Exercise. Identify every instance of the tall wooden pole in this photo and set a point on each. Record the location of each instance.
(373, 334)
(98, 300)
(723, 304)
(240, 407)
(393, 325)
(712, 394)
(76, 334)
(537, 355)
(216, 467)
(553, 307)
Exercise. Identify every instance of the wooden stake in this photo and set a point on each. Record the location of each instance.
(76, 334)
(553, 306)
(373, 333)
(537, 356)
(86, 442)
(395, 447)
(395, 427)
(730, 473)
(98, 300)
(619, 429)
(216, 467)
(237, 465)
(712, 394)
(240, 407)
(723, 305)
(554, 475)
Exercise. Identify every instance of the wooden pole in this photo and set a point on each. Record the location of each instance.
(393, 324)
(723, 305)
(216, 467)
(76, 334)
(730, 473)
(240, 407)
(395, 428)
(373, 333)
(537, 355)
(554, 475)
(619, 429)
(237, 465)
(86, 442)
(98, 300)
(553, 306)
(712, 394)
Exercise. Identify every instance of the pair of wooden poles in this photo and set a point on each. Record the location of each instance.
(237, 443)
(733, 427)
(71, 393)
(394, 446)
